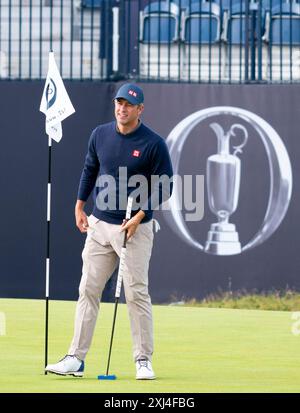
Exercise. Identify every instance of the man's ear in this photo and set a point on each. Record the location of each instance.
(141, 108)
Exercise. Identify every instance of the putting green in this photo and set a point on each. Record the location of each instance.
(196, 350)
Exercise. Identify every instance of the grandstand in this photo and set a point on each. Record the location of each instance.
(29, 29)
(221, 41)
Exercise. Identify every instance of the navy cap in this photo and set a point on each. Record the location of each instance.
(131, 92)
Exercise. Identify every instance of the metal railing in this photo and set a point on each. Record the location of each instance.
(221, 41)
(29, 29)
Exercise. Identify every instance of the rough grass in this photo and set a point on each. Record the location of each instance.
(287, 300)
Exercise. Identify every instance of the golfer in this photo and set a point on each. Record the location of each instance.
(124, 145)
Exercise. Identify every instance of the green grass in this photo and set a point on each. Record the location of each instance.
(196, 350)
(287, 300)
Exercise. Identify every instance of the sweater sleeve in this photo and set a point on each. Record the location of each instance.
(90, 170)
(161, 174)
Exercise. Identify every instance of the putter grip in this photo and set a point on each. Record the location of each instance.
(123, 252)
(129, 208)
(120, 273)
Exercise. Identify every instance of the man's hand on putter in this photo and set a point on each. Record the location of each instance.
(132, 224)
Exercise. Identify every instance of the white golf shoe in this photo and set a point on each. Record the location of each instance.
(144, 370)
(69, 365)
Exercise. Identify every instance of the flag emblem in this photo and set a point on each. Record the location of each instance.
(50, 93)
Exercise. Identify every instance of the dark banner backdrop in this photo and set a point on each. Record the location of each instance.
(177, 270)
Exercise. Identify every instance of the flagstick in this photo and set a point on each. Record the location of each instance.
(48, 249)
(56, 105)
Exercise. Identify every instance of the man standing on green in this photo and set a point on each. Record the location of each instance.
(123, 143)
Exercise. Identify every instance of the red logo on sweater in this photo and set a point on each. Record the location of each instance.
(136, 153)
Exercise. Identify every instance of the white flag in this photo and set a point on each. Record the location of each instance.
(55, 103)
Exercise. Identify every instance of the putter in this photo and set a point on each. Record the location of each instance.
(118, 293)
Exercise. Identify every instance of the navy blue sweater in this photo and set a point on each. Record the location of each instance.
(141, 152)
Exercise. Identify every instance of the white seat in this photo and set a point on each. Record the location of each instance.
(234, 36)
(282, 43)
(203, 54)
(159, 51)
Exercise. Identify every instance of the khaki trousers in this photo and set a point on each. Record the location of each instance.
(100, 258)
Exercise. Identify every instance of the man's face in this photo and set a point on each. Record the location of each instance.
(126, 113)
